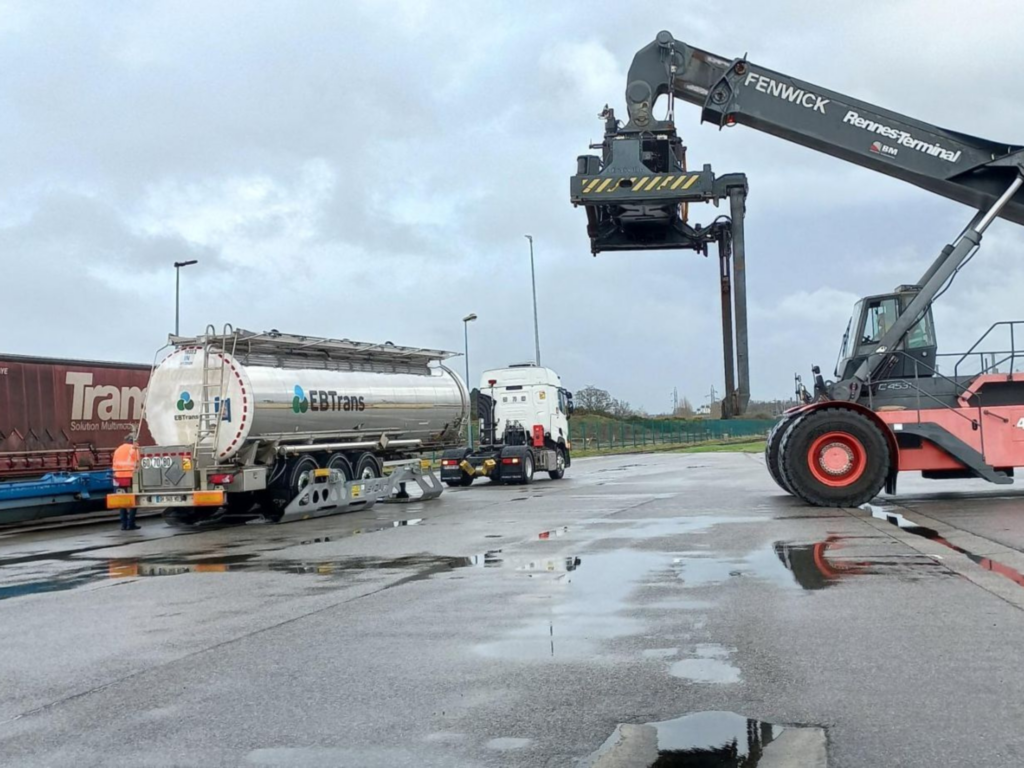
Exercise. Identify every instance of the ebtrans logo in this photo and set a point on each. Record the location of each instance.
(300, 403)
(186, 405)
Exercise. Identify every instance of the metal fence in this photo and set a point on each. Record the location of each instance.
(597, 434)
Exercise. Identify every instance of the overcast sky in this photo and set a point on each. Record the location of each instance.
(367, 170)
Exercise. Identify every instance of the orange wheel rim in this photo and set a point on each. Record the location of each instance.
(837, 459)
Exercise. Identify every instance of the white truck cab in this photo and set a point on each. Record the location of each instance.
(528, 394)
(524, 414)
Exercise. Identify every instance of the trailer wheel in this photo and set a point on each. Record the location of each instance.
(367, 468)
(339, 462)
(527, 469)
(240, 504)
(297, 474)
(559, 471)
(834, 457)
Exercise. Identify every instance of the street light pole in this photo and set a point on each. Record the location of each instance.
(469, 422)
(533, 279)
(177, 290)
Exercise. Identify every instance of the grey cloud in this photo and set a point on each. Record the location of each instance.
(444, 132)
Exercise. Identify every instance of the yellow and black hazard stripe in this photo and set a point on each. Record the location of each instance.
(634, 184)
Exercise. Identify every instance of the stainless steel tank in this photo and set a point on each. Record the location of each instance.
(277, 394)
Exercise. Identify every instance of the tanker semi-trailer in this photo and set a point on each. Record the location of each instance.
(281, 425)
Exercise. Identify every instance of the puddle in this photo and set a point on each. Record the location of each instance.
(813, 568)
(653, 527)
(76, 572)
(546, 565)
(987, 563)
(92, 571)
(705, 671)
(709, 665)
(709, 740)
(593, 607)
(377, 526)
(705, 569)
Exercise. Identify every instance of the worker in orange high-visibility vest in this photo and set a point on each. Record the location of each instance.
(126, 459)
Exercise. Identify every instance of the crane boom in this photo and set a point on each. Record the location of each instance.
(964, 168)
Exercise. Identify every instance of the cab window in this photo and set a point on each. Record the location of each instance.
(879, 318)
(922, 334)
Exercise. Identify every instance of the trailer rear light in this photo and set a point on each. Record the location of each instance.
(449, 463)
(510, 460)
(208, 498)
(221, 479)
(123, 482)
(120, 500)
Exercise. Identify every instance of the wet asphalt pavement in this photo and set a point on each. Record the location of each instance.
(530, 626)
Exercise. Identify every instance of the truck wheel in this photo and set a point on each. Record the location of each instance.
(367, 467)
(464, 481)
(340, 463)
(559, 471)
(527, 469)
(834, 457)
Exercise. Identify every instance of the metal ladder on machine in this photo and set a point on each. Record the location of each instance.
(212, 395)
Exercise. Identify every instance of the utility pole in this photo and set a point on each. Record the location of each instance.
(533, 279)
(469, 422)
(177, 289)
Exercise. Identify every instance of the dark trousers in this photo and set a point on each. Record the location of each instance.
(127, 519)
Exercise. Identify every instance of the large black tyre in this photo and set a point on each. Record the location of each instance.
(559, 471)
(464, 481)
(834, 457)
(771, 450)
(240, 504)
(339, 462)
(527, 469)
(296, 475)
(367, 468)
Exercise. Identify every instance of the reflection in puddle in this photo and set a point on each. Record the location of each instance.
(98, 570)
(373, 528)
(553, 533)
(594, 608)
(816, 566)
(704, 740)
(84, 571)
(929, 533)
(703, 569)
(714, 738)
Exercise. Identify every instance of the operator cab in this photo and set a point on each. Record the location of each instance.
(871, 318)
